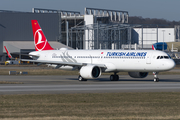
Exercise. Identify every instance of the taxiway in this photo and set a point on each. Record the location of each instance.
(70, 84)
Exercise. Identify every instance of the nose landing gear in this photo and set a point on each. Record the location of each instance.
(156, 79)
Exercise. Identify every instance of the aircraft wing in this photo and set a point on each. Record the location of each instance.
(64, 63)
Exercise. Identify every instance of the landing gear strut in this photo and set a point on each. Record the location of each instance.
(156, 79)
(114, 77)
(80, 78)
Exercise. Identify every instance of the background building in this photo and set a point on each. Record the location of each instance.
(148, 36)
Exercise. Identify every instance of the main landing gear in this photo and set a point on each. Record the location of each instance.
(114, 77)
(80, 78)
(156, 79)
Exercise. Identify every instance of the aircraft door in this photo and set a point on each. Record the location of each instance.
(100, 59)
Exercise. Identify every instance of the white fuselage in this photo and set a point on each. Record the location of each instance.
(114, 60)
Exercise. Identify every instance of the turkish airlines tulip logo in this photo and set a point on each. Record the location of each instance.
(39, 40)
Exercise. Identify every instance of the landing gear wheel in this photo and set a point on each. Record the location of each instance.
(156, 79)
(80, 78)
(114, 77)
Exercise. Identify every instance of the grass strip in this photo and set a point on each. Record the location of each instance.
(160, 105)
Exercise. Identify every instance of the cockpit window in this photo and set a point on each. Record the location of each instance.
(163, 57)
(166, 57)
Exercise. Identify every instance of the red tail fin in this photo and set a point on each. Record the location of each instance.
(9, 55)
(153, 47)
(40, 40)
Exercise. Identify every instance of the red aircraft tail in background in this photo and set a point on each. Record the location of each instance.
(153, 47)
(9, 55)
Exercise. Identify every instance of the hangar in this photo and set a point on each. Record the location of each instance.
(16, 31)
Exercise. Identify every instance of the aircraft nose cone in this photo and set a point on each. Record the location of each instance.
(171, 64)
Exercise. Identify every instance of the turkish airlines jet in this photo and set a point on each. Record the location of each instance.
(91, 63)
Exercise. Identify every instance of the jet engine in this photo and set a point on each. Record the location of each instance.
(138, 74)
(90, 72)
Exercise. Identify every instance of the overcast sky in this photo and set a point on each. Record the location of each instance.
(166, 9)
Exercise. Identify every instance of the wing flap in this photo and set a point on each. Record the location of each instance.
(53, 62)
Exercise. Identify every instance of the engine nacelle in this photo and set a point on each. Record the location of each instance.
(90, 72)
(138, 74)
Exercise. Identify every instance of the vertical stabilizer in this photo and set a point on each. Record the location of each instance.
(8, 53)
(40, 40)
(153, 47)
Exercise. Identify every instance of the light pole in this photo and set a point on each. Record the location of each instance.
(163, 39)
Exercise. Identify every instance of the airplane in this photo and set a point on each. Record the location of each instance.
(91, 63)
